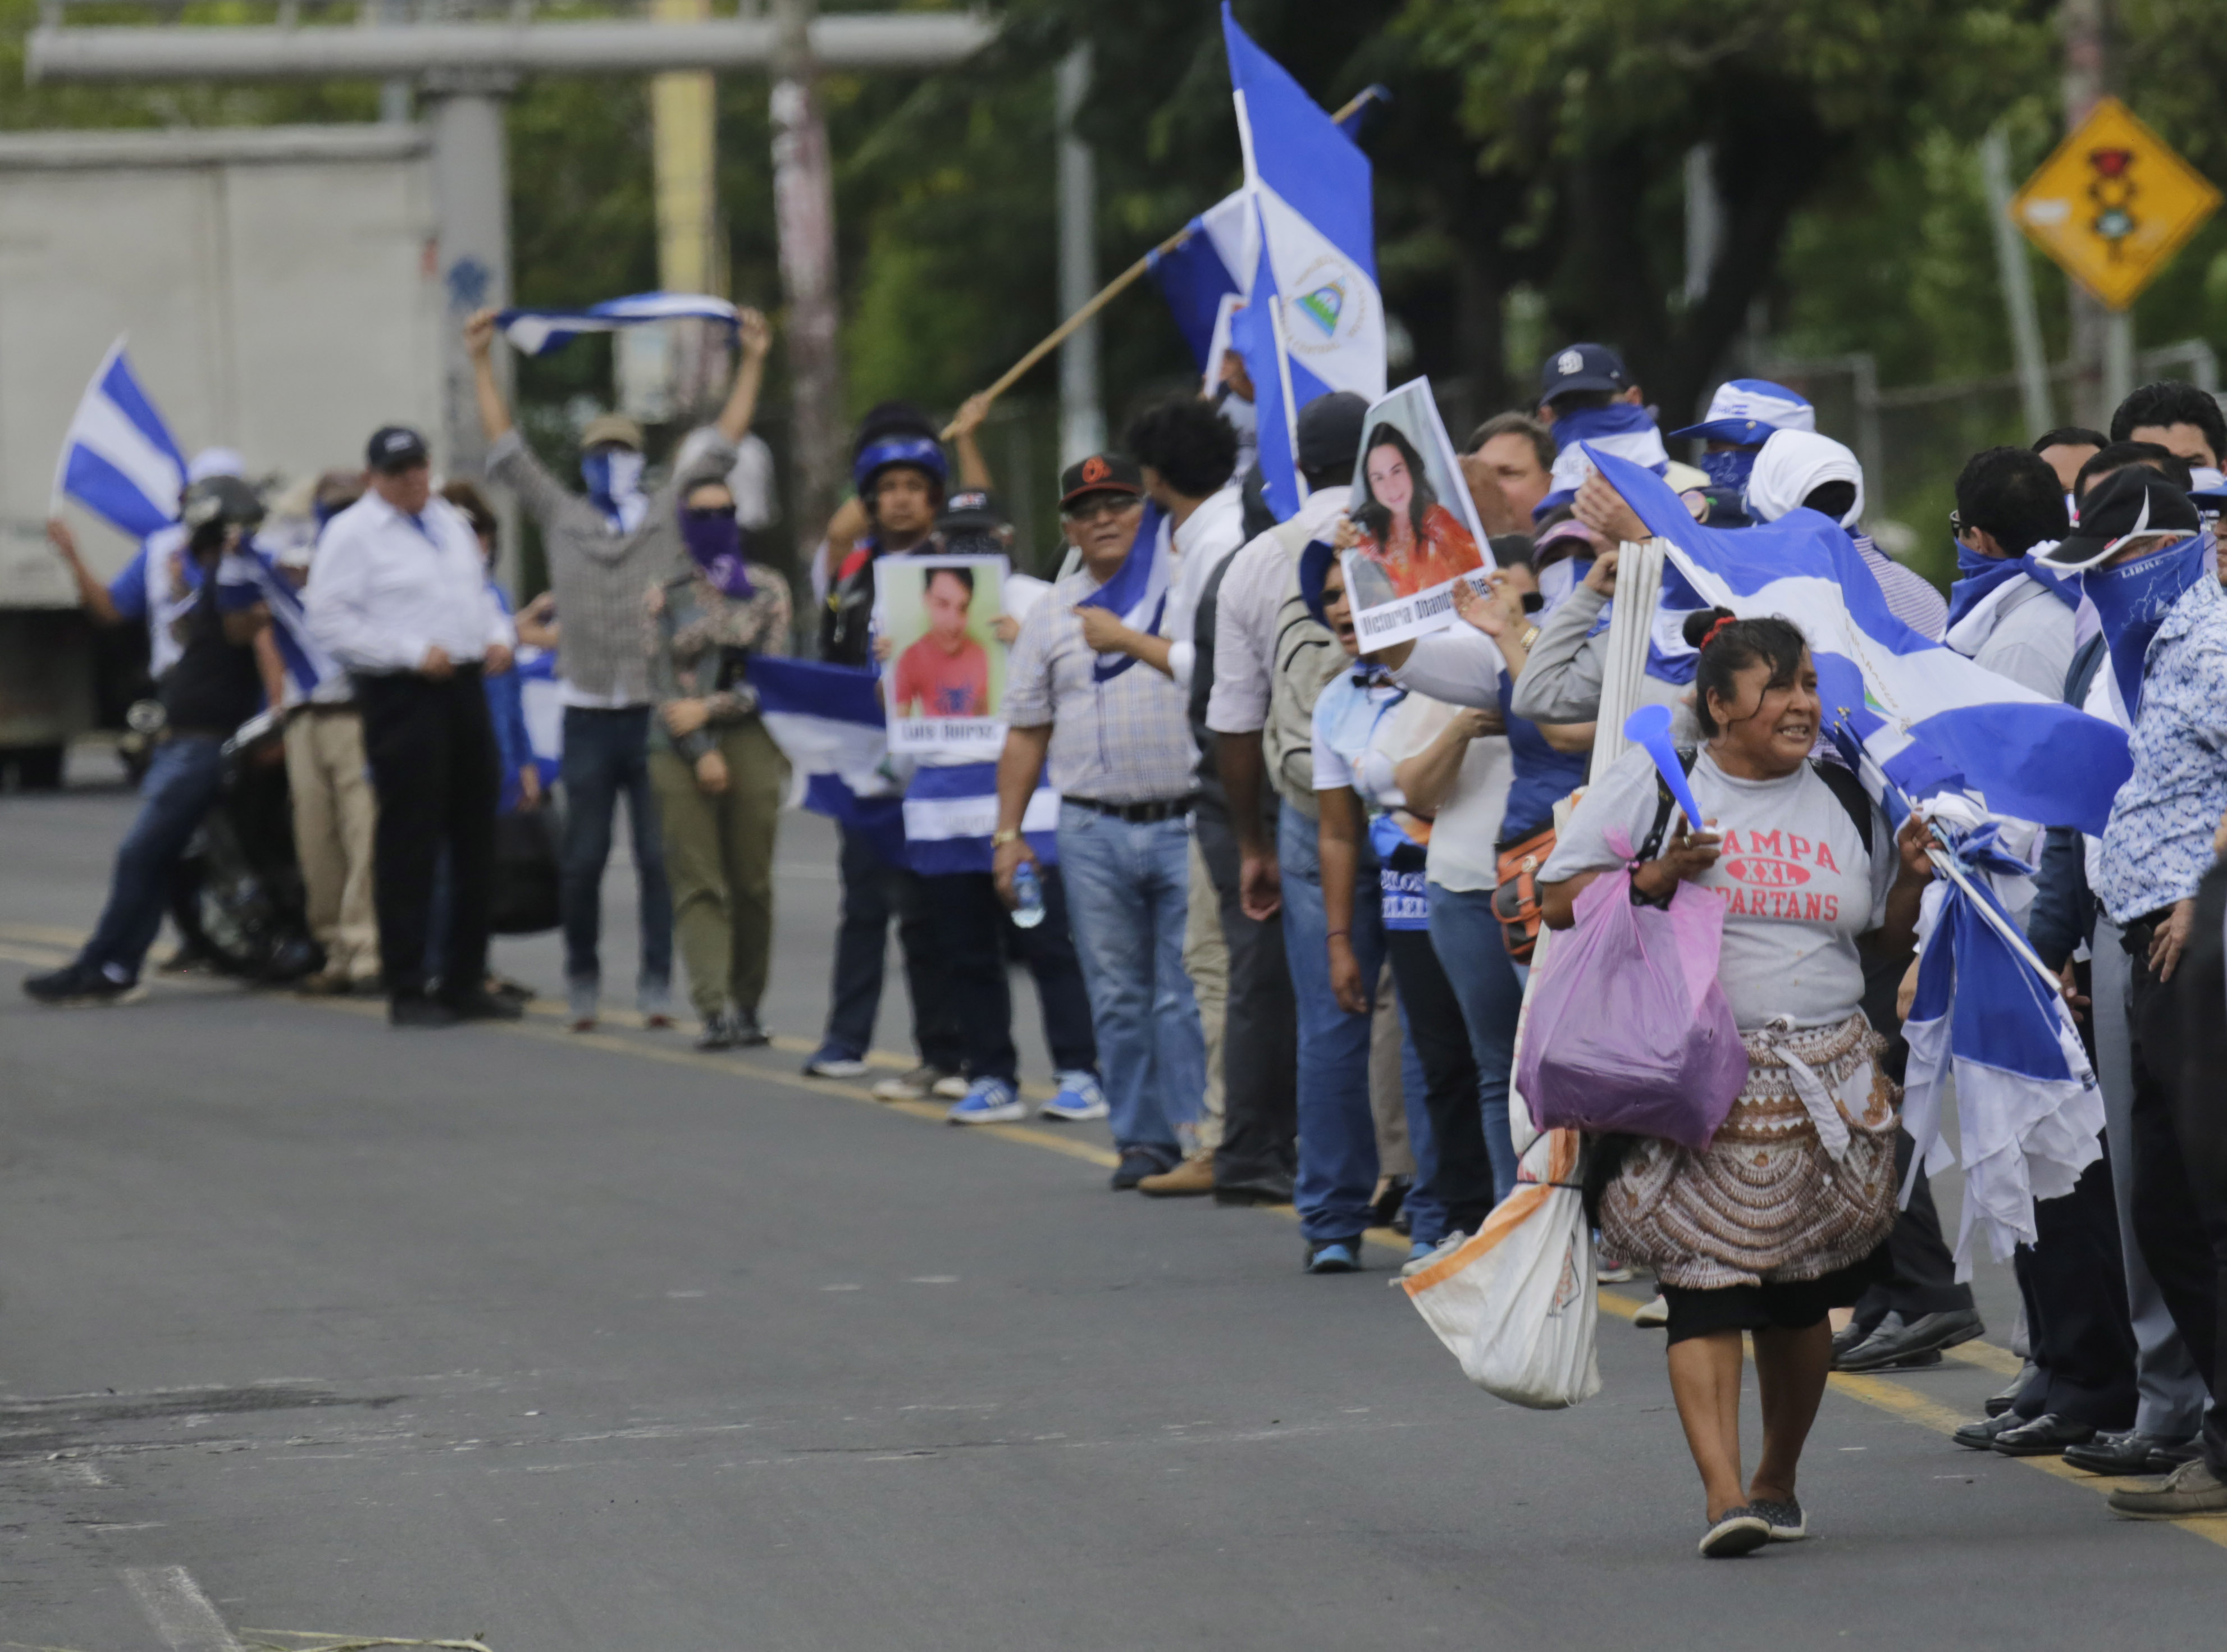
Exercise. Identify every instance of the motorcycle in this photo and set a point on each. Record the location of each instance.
(237, 895)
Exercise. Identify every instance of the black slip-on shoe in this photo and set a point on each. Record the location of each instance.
(1927, 1333)
(1741, 1531)
(1980, 1436)
(2047, 1435)
(1787, 1522)
(482, 1005)
(2126, 1451)
(415, 1009)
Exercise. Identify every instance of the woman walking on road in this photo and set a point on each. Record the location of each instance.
(1784, 1215)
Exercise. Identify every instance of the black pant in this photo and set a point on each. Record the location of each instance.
(435, 767)
(1923, 1279)
(2181, 1145)
(972, 930)
(874, 891)
(1462, 1181)
(1259, 1027)
(2074, 1284)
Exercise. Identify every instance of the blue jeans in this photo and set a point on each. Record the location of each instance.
(1128, 893)
(182, 781)
(1337, 1132)
(606, 753)
(1490, 985)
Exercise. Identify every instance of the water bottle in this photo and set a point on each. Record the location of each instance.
(1028, 896)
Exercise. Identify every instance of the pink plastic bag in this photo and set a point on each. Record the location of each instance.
(1629, 1029)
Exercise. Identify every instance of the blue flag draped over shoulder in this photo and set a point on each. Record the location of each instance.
(1313, 320)
(118, 460)
(1929, 717)
(1138, 593)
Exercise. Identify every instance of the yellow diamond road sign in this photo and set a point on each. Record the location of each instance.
(2113, 204)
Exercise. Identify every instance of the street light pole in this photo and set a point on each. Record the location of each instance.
(804, 214)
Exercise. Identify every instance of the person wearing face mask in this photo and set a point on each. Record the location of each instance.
(2007, 611)
(720, 777)
(605, 548)
(1743, 415)
(1802, 470)
(2149, 572)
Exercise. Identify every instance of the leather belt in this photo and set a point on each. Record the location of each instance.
(1163, 808)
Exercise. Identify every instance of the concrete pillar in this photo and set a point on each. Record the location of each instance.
(471, 227)
(1081, 416)
(804, 217)
(684, 126)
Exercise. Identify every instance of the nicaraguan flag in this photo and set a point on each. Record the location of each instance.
(1137, 591)
(951, 810)
(1313, 320)
(2028, 1110)
(538, 332)
(308, 667)
(118, 460)
(1930, 718)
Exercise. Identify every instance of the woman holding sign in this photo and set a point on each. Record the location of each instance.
(1784, 1215)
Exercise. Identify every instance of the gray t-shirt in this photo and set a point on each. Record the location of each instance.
(1798, 883)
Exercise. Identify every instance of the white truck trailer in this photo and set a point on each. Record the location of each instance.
(278, 288)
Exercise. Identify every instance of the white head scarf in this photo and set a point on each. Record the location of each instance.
(1794, 464)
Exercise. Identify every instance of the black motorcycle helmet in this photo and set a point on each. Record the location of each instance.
(216, 503)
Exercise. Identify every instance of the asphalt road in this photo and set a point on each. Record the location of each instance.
(596, 1345)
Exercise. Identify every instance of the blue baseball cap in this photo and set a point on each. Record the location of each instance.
(1747, 412)
(1582, 366)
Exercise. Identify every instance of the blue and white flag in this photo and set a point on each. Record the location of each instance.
(541, 701)
(1930, 718)
(1313, 321)
(951, 810)
(1138, 592)
(1212, 263)
(538, 332)
(2028, 1110)
(308, 667)
(118, 460)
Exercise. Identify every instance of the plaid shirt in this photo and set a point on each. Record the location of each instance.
(600, 574)
(1127, 740)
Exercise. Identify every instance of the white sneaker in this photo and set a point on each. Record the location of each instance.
(1653, 1314)
(915, 1085)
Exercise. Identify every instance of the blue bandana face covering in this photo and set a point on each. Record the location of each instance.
(2133, 600)
(1730, 468)
(614, 479)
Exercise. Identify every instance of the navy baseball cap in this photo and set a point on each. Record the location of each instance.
(972, 510)
(1582, 366)
(395, 448)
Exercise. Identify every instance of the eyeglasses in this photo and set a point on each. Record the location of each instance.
(1105, 505)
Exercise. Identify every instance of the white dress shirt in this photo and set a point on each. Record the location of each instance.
(385, 587)
(1208, 537)
(1253, 593)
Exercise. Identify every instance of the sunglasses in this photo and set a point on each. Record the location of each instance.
(1097, 509)
(710, 513)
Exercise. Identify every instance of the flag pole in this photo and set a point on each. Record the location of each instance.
(1107, 294)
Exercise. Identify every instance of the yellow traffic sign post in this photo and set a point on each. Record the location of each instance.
(2113, 204)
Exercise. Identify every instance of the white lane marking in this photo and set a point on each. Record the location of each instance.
(182, 1614)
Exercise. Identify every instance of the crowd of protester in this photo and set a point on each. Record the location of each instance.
(1297, 887)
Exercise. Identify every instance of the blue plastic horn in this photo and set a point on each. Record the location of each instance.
(1649, 726)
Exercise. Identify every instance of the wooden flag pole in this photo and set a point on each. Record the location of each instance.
(1107, 294)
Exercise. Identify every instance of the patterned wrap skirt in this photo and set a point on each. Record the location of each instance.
(1774, 1199)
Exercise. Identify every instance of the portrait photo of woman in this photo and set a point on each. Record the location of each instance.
(1405, 534)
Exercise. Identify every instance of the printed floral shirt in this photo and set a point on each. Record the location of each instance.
(2159, 843)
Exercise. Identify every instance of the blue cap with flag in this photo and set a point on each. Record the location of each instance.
(1748, 412)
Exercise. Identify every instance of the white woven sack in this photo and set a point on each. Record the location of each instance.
(1517, 1303)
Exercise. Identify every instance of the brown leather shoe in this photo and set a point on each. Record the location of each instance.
(1193, 1179)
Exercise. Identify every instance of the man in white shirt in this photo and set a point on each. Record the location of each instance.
(2005, 612)
(1262, 625)
(398, 595)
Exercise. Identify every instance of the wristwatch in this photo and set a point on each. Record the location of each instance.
(1003, 836)
(1530, 636)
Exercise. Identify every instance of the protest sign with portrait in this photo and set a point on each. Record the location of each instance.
(1415, 526)
(945, 682)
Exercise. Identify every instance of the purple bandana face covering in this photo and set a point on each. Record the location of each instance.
(715, 543)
